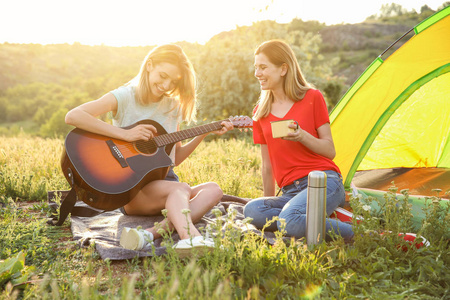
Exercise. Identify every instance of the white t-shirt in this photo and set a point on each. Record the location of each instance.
(129, 111)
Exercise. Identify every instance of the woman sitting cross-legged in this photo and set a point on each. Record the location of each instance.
(163, 91)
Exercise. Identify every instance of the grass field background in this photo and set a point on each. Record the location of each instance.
(43, 262)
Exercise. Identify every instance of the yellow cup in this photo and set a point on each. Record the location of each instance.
(281, 128)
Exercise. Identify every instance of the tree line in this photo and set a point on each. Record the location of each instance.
(40, 83)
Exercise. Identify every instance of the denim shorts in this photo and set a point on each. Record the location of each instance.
(171, 176)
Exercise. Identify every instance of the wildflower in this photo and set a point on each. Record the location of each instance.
(216, 212)
(437, 191)
(185, 211)
(232, 213)
(247, 220)
(282, 223)
(161, 231)
(393, 189)
(366, 207)
(164, 212)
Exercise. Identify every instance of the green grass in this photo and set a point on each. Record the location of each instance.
(245, 267)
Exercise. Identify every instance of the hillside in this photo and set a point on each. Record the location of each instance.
(40, 83)
(357, 45)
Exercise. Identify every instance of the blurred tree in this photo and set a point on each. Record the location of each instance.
(425, 8)
(444, 5)
(226, 72)
(3, 106)
(55, 126)
(391, 10)
(306, 26)
(333, 91)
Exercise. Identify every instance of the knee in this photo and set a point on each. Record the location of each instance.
(214, 191)
(182, 188)
(256, 210)
(292, 224)
(250, 208)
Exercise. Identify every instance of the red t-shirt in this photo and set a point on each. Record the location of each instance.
(291, 160)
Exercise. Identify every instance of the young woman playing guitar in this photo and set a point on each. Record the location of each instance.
(163, 91)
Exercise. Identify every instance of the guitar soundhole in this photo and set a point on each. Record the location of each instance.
(146, 147)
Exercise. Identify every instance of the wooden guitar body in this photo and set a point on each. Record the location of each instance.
(107, 173)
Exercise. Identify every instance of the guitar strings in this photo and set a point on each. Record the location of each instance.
(169, 138)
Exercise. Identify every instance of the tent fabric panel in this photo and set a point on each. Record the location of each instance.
(444, 161)
(424, 130)
(355, 87)
(421, 55)
(418, 181)
(387, 114)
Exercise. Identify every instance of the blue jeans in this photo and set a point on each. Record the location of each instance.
(291, 207)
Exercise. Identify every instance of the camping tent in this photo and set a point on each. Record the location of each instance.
(396, 117)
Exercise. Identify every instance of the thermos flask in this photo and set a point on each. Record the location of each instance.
(316, 210)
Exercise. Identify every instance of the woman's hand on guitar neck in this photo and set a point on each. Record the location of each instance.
(226, 125)
(142, 132)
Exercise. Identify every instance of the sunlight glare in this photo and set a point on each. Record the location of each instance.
(151, 22)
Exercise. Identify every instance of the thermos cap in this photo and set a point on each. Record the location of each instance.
(317, 179)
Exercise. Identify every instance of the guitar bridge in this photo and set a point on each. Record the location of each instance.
(116, 153)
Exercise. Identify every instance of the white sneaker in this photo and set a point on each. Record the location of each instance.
(135, 239)
(184, 247)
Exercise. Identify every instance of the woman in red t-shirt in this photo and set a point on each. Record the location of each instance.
(287, 161)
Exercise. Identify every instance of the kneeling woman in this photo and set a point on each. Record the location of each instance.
(163, 91)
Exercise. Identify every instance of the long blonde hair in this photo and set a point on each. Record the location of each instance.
(185, 91)
(295, 85)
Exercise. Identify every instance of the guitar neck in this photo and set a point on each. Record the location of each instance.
(170, 138)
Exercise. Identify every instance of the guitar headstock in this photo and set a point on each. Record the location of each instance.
(241, 121)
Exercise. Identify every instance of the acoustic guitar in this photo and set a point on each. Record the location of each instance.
(107, 173)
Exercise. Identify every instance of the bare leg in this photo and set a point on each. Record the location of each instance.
(175, 196)
(203, 198)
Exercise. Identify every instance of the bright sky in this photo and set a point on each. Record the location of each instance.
(151, 22)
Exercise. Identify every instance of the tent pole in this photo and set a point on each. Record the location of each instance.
(392, 45)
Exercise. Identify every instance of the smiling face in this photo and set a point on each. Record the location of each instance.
(163, 78)
(270, 76)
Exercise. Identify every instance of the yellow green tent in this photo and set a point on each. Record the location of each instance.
(396, 116)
